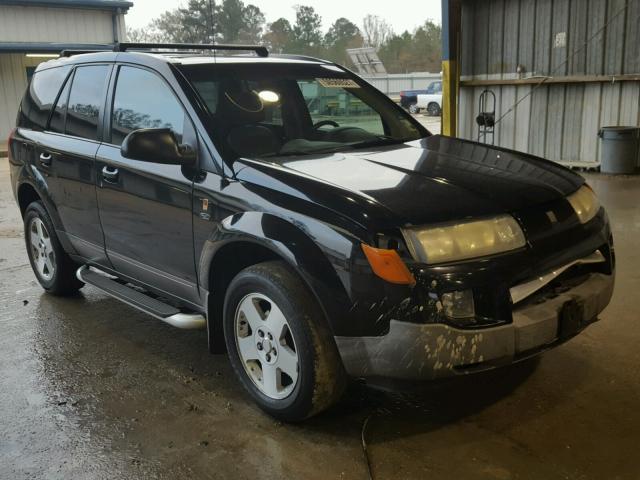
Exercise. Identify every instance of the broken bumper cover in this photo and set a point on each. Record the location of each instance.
(428, 351)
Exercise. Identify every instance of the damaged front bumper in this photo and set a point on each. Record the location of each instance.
(413, 351)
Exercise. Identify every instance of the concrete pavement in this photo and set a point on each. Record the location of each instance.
(92, 389)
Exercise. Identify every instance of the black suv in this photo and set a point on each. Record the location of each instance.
(311, 225)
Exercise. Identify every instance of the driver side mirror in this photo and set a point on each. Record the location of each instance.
(157, 145)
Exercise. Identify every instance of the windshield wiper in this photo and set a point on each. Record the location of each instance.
(293, 153)
(377, 142)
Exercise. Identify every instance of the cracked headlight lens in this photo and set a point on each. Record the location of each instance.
(585, 203)
(462, 241)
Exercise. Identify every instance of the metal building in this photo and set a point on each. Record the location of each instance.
(570, 66)
(31, 30)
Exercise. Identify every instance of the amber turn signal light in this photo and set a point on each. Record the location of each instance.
(388, 265)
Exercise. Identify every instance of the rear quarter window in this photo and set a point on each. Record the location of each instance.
(40, 97)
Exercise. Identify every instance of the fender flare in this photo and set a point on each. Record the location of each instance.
(289, 242)
(39, 184)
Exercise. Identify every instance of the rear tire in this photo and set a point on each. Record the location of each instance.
(414, 109)
(53, 268)
(434, 109)
(279, 344)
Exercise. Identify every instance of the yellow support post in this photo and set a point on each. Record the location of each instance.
(451, 21)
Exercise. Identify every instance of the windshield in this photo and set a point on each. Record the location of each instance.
(270, 110)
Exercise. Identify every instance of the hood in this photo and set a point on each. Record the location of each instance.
(437, 179)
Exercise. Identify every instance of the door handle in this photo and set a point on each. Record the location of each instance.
(45, 159)
(110, 174)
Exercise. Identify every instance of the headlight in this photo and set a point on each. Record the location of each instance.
(584, 203)
(461, 241)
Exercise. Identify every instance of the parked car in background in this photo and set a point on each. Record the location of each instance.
(308, 223)
(409, 98)
(431, 100)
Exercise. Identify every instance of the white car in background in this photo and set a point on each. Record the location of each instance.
(430, 101)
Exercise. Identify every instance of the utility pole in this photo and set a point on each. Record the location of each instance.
(212, 25)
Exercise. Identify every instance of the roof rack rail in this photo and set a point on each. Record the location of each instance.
(72, 52)
(294, 56)
(123, 47)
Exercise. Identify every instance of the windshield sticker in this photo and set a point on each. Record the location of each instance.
(337, 83)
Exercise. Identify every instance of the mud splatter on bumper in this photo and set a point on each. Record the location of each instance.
(428, 351)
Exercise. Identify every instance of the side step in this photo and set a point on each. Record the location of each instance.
(152, 306)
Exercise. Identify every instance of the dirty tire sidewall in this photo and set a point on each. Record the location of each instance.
(433, 109)
(63, 281)
(321, 377)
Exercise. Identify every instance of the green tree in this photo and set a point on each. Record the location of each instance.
(195, 23)
(343, 34)
(306, 33)
(208, 21)
(252, 25)
(278, 35)
(230, 18)
(419, 51)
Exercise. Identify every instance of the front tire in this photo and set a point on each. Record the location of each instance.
(52, 266)
(278, 343)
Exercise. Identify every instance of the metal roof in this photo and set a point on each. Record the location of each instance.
(94, 4)
(44, 47)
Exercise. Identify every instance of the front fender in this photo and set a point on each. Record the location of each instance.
(320, 254)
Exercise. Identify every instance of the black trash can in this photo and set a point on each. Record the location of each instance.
(620, 149)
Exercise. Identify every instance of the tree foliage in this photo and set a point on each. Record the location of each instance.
(306, 34)
(419, 51)
(278, 35)
(234, 21)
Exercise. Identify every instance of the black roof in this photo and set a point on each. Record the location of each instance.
(97, 4)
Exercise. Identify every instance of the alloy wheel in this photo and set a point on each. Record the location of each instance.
(41, 249)
(266, 346)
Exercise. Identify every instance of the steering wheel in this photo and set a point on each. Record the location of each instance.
(322, 123)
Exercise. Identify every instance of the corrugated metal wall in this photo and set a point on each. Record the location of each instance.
(39, 24)
(558, 120)
(394, 83)
(42, 24)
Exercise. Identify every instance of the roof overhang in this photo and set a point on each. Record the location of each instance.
(43, 47)
(93, 4)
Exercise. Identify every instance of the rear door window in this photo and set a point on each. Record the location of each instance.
(143, 100)
(40, 97)
(86, 100)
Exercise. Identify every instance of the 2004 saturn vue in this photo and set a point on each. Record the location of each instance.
(313, 227)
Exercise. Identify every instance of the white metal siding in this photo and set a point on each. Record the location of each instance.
(43, 24)
(13, 81)
(547, 37)
(557, 121)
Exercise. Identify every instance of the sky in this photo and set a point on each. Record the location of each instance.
(400, 14)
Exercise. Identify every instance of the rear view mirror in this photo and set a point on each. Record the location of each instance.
(157, 145)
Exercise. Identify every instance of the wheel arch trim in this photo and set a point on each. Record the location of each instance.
(284, 241)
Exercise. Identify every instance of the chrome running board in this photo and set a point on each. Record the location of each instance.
(145, 303)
